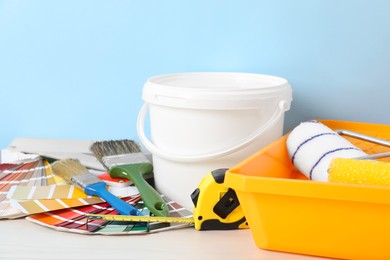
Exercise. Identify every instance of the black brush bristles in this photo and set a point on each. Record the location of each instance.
(101, 149)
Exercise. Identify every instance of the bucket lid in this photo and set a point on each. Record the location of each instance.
(215, 90)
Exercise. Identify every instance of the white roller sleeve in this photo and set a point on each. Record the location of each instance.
(312, 146)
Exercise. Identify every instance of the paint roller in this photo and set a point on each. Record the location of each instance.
(322, 154)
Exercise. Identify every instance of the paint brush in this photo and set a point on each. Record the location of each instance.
(73, 172)
(124, 159)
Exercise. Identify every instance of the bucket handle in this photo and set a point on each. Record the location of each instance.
(280, 109)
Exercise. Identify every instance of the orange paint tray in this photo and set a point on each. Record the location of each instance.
(289, 213)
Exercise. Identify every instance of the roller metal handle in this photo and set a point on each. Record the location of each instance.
(367, 138)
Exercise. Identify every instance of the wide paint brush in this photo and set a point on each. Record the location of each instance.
(73, 172)
(124, 159)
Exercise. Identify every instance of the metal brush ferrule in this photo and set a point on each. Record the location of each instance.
(123, 159)
(84, 179)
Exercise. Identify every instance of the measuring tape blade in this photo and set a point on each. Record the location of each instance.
(140, 218)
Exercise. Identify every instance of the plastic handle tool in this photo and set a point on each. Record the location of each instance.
(123, 208)
(149, 195)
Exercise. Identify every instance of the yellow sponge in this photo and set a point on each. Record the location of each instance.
(354, 171)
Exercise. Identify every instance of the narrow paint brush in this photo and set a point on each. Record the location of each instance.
(73, 172)
(124, 159)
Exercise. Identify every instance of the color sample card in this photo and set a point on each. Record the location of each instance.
(35, 172)
(38, 199)
(39, 206)
(45, 192)
(30, 188)
(74, 220)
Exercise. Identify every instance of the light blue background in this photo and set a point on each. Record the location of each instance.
(75, 69)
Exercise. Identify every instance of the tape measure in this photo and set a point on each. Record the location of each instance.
(216, 207)
(148, 219)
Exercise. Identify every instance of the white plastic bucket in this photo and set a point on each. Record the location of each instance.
(203, 121)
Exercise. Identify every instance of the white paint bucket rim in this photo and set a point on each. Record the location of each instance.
(215, 90)
(163, 90)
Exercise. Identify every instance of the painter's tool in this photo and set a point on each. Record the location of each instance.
(75, 173)
(149, 219)
(324, 155)
(124, 159)
(356, 171)
(216, 207)
(367, 138)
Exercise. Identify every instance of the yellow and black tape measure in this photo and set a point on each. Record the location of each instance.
(216, 207)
